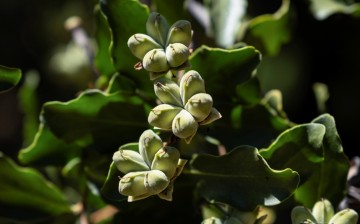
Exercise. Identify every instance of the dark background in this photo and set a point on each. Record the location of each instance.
(320, 51)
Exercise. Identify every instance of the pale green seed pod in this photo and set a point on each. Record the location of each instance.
(323, 211)
(347, 216)
(199, 105)
(155, 61)
(190, 84)
(149, 144)
(184, 125)
(213, 116)
(166, 160)
(177, 54)
(212, 220)
(156, 181)
(129, 161)
(140, 44)
(163, 115)
(157, 27)
(180, 32)
(301, 215)
(132, 184)
(168, 91)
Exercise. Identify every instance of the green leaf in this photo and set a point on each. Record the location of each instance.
(249, 92)
(27, 196)
(103, 121)
(322, 9)
(242, 179)
(172, 14)
(314, 150)
(224, 68)
(268, 32)
(111, 185)
(125, 18)
(9, 77)
(120, 83)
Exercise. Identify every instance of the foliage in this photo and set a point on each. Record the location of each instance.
(69, 168)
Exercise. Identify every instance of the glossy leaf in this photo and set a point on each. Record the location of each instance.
(26, 195)
(314, 150)
(242, 179)
(219, 68)
(9, 77)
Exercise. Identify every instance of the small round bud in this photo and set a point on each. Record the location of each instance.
(149, 144)
(199, 105)
(166, 160)
(168, 91)
(163, 115)
(132, 184)
(176, 54)
(140, 44)
(190, 84)
(184, 125)
(347, 216)
(323, 211)
(155, 61)
(129, 161)
(180, 32)
(157, 27)
(155, 181)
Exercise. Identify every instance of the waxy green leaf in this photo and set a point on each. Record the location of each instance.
(9, 77)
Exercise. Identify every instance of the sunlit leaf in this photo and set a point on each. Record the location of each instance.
(242, 179)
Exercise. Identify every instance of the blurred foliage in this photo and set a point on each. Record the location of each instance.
(81, 98)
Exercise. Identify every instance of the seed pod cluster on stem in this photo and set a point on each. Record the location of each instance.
(163, 48)
(149, 171)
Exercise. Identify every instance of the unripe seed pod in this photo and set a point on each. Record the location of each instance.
(156, 181)
(190, 84)
(163, 115)
(157, 27)
(166, 160)
(176, 54)
(149, 144)
(323, 211)
(213, 116)
(199, 105)
(155, 61)
(129, 161)
(180, 32)
(140, 44)
(132, 184)
(168, 91)
(212, 220)
(347, 216)
(300, 215)
(184, 125)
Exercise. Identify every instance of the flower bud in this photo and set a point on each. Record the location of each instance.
(180, 32)
(166, 160)
(168, 91)
(149, 144)
(212, 220)
(129, 161)
(157, 27)
(163, 115)
(156, 181)
(184, 125)
(190, 84)
(323, 211)
(155, 61)
(300, 214)
(140, 44)
(213, 116)
(132, 184)
(176, 54)
(199, 105)
(347, 216)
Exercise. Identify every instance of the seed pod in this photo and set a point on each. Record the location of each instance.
(129, 161)
(347, 216)
(155, 61)
(140, 44)
(212, 220)
(184, 125)
(190, 84)
(168, 91)
(213, 116)
(156, 181)
(163, 115)
(301, 215)
(180, 32)
(132, 184)
(149, 144)
(199, 105)
(166, 160)
(157, 27)
(176, 54)
(323, 211)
